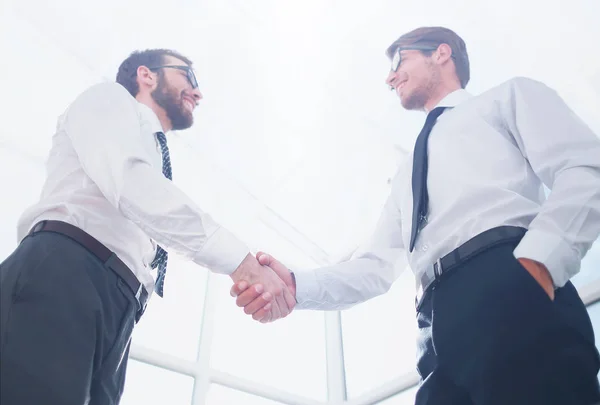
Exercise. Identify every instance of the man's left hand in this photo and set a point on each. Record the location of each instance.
(540, 273)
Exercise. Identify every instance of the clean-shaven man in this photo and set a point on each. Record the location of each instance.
(499, 321)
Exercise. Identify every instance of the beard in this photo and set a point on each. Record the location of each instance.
(172, 103)
(417, 99)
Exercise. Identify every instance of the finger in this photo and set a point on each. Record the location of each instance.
(263, 313)
(258, 303)
(249, 295)
(269, 317)
(275, 310)
(238, 288)
(284, 310)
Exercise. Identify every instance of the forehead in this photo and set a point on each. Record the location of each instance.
(171, 60)
(408, 52)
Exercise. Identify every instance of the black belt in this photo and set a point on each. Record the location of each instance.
(106, 256)
(466, 251)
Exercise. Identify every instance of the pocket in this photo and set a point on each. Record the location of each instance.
(529, 280)
(117, 333)
(31, 282)
(487, 310)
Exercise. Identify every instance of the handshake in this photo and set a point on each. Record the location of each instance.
(264, 287)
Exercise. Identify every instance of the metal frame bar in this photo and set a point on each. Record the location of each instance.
(387, 390)
(202, 369)
(262, 390)
(590, 293)
(336, 379)
(334, 347)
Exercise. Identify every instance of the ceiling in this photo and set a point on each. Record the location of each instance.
(297, 135)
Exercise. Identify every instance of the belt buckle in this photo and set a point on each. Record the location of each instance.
(38, 227)
(419, 297)
(437, 268)
(138, 294)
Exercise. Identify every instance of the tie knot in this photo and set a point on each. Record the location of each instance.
(436, 112)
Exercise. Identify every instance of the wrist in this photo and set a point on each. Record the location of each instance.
(293, 286)
(238, 272)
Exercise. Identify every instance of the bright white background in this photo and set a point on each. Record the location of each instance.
(292, 150)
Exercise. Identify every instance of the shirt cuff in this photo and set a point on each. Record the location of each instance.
(222, 252)
(306, 288)
(553, 252)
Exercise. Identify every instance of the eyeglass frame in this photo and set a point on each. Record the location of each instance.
(408, 48)
(191, 76)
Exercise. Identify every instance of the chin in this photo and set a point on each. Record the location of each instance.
(190, 120)
(410, 103)
(406, 101)
(407, 105)
(183, 120)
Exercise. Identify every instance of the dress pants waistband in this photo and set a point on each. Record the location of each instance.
(466, 251)
(105, 255)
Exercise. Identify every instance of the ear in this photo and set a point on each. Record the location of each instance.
(146, 78)
(443, 54)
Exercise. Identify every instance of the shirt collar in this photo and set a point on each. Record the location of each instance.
(453, 99)
(150, 117)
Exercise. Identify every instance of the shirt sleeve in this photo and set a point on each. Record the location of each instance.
(565, 154)
(370, 272)
(103, 125)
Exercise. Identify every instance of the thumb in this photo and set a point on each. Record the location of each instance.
(267, 260)
(264, 259)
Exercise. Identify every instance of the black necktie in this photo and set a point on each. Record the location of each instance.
(419, 175)
(160, 260)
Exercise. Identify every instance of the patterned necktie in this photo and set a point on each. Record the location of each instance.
(419, 176)
(160, 260)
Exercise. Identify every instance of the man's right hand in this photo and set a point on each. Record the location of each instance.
(249, 295)
(263, 278)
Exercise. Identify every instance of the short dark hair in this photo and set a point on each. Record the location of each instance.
(127, 73)
(435, 36)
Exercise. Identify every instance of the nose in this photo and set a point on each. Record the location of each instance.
(196, 94)
(390, 78)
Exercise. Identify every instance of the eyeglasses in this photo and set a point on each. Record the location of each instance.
(188, 70)
(397, 59)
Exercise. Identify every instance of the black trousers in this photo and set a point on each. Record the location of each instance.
(489, 334)
(65, 325)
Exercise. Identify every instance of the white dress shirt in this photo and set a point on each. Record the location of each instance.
(489, 157)
(104, 175)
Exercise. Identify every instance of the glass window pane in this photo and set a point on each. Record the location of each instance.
(589, 267)
(288, 354)
(404, 398)
(219, 395)
(36, 48)
(151, 385)
(172, 324)
(24, 180)
(379, 338)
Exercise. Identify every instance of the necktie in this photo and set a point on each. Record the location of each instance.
(160, 260)
(419, 175)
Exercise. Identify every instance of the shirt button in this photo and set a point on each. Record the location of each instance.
(424, 248)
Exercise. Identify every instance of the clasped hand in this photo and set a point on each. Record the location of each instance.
(264, 288)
